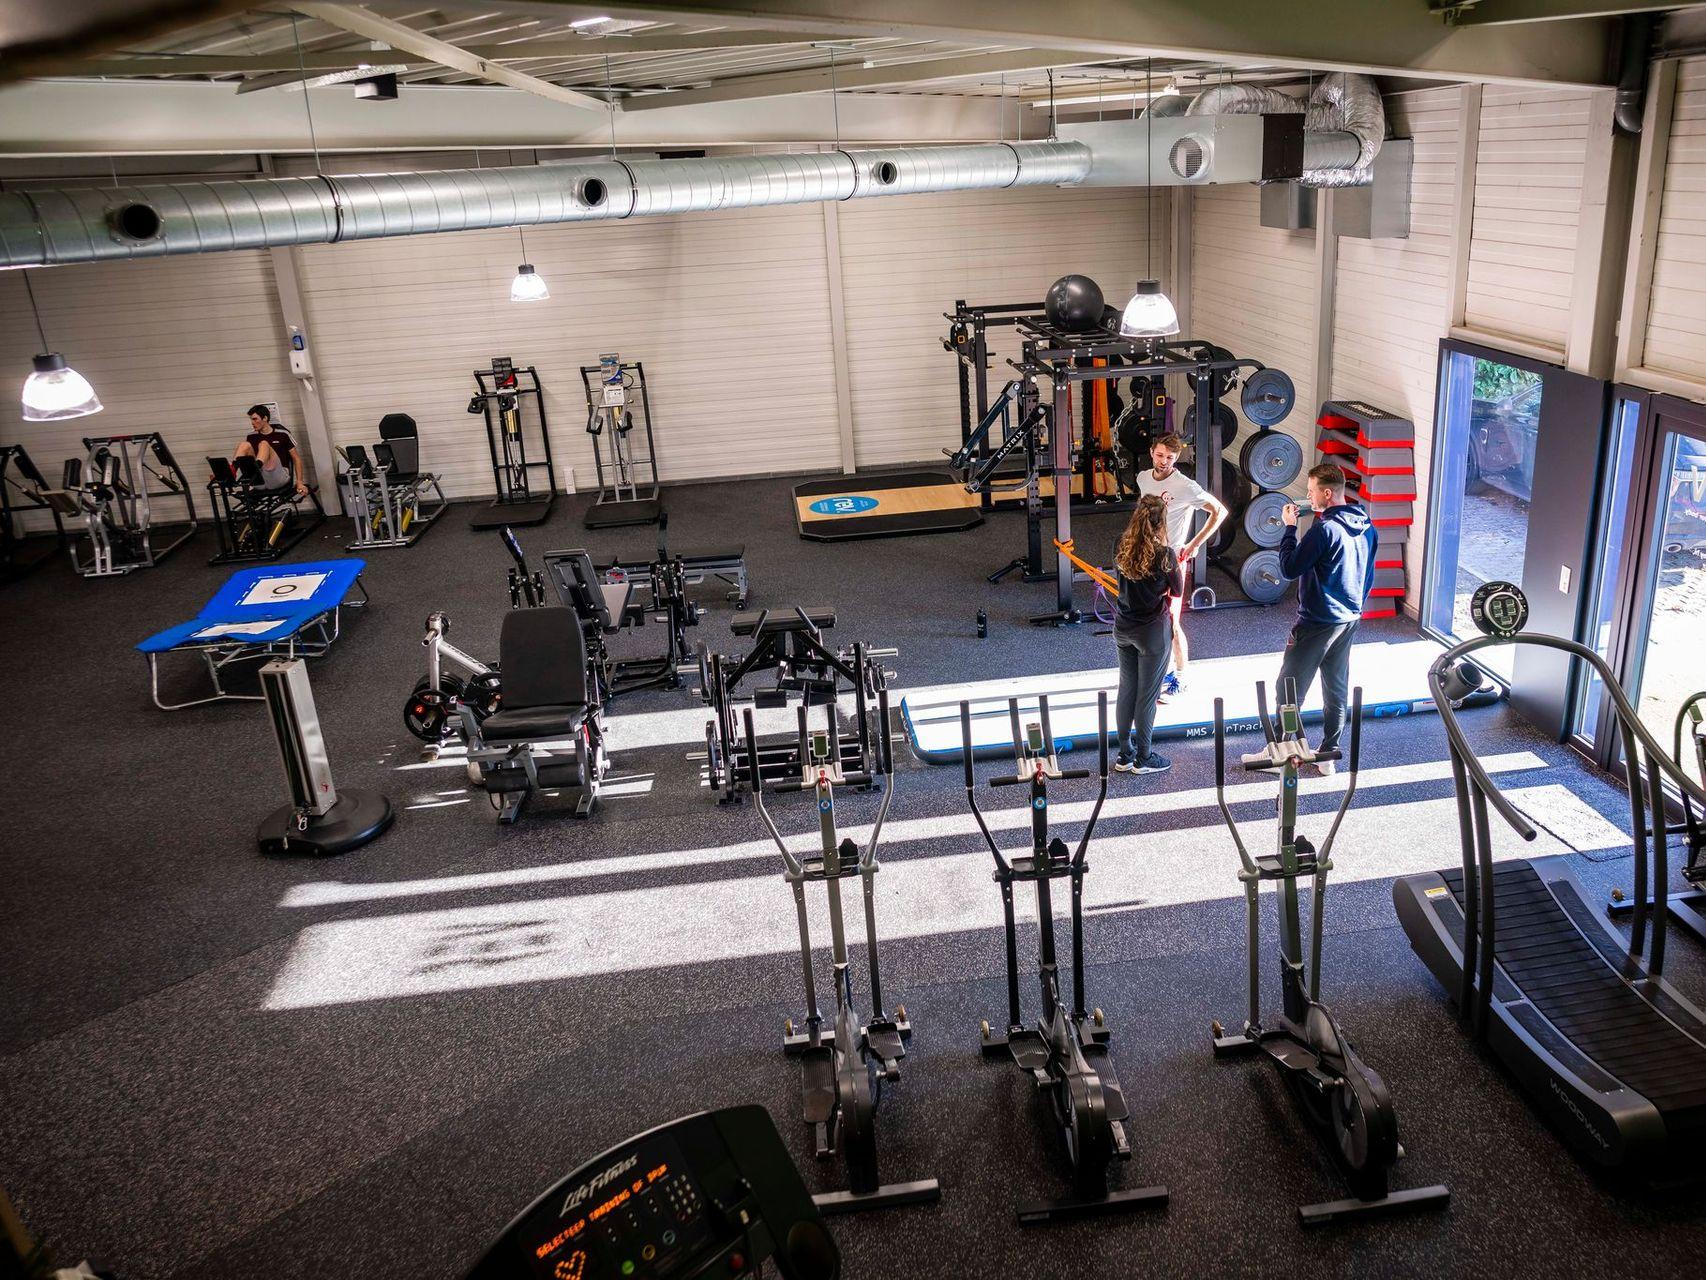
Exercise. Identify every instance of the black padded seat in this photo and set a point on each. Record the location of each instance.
(542, 654)
(780, 621)
(531, 724)
(398, 430)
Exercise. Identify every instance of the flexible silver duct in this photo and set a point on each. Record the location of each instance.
(40, 228)
(1343, 127)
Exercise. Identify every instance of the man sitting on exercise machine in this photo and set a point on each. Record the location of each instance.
(270, 444)
(1183, 496)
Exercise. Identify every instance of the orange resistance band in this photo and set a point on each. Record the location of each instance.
(1101, 576)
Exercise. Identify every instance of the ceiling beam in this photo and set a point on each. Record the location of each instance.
(103, 118)
(363, 22)
(852, 75)
(215, 64)
(1397, 39)
(1486, 13)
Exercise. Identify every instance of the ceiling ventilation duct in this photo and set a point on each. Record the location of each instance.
(1190, 151)
(1344, 123)
(47, 227)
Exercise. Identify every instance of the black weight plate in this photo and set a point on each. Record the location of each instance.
(484, 694)
(426, 714)
(1261, 579)
(1221, 415)
(1268, 397)
(1262, 519)
(1271, 459)
(1234, 488)
(1223, 379)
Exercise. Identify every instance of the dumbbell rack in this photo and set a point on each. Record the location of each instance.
(1377, 451)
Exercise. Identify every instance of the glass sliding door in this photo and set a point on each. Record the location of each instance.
(1608, 584)
(1667, 661)
(1646, 611)
(1487, 426)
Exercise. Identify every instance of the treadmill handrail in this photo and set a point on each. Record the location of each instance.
(1626, 712)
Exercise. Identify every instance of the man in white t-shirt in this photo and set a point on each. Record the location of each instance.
(1184, 498)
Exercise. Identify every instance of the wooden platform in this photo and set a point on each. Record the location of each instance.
(888, 505)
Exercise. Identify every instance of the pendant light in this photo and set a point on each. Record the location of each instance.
(1150, 313)
(528, 285)
(54, 390)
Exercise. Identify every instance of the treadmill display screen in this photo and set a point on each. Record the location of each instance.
(641, 1216)
(1499, 608)
(1034, 738)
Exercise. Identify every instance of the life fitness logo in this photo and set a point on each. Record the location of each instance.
(852, 504)
(579, 1193)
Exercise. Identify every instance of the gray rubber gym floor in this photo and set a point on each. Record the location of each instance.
(217, 1064)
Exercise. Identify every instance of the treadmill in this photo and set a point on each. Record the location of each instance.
(1607, 1050)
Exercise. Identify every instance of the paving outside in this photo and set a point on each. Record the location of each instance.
(1492, 538)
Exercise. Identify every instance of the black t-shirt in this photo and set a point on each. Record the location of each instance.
(278, 438)
(1143, 600)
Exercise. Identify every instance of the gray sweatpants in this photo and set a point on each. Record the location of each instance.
(1323, 647)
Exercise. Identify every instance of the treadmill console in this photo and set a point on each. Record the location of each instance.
(1034, 740)
(711, 1194)
(1499, 609)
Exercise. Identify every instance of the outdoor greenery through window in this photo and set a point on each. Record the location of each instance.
(1489, 423)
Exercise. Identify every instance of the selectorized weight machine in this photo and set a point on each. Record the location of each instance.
(1342, 1098)
(844, 1066)
(23, 489)
(1066, 1053)
(628, 480)
(117, 491)
(507, 397)
(390, 500)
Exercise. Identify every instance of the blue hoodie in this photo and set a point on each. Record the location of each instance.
(1334, 564)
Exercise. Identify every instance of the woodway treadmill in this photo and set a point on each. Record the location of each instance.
(1607, 1050)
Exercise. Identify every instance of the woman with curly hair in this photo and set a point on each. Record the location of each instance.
(1149, 578)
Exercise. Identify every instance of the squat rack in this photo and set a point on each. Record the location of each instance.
(1064, 358)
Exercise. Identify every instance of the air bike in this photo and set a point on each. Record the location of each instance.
(1066, 1053)
(843, 1068)
(1344, 1100)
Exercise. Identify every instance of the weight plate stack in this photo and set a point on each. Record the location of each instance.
(1261, 579)
(1262, 522)
(1272, 459)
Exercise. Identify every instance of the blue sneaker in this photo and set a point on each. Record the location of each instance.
(1124, 764)
(1153, 763)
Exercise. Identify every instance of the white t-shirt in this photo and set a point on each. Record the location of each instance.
(1187, 497)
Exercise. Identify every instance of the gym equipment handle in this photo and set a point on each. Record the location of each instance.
(1069, 774)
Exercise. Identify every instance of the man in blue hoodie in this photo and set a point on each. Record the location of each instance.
(1334, 566)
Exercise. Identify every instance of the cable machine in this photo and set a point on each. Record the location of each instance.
(628, 481)
(505, 394)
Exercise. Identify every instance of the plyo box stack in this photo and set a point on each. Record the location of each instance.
(1377, 451)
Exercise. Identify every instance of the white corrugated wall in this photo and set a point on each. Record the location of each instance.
(1253, 292)
(182, 346)
(1528, 190)
(1392, 302)
(905, 261)
(726, 310)
(1676, 316)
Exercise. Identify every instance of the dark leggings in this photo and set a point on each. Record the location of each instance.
(1145, 656)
